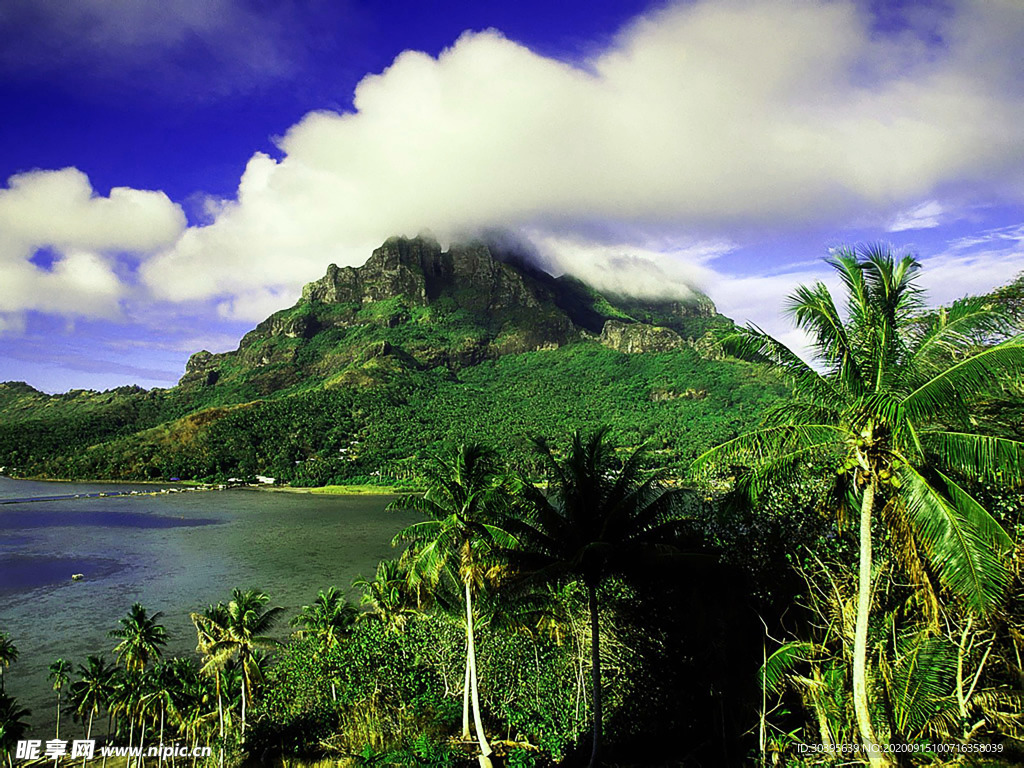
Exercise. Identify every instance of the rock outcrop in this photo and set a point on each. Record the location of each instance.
(201, 369)
(639, 337)
(419, 271)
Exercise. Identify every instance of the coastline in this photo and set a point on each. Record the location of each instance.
(326, 490)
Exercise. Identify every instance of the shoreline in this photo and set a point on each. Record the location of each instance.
(322, 490)
(332, 490)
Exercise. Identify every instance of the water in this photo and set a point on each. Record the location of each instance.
(175, 553)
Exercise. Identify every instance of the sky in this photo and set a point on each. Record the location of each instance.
(173, 172)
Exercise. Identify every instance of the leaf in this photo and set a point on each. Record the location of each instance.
(955, 386)
(979, 457)
(782, 662)
(922, 680)
(962, 555)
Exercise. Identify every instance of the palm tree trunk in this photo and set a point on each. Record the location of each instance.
(56, 734)
(88, 731)
(465, 697)
(220, 713)
(160, 759)
(244, 686)
(860, 640)
(485, 748)
(595, 670)
(142, 738)
(220, 707)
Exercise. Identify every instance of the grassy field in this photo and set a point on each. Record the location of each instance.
(340, 490)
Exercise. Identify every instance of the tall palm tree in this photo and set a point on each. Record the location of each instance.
(239, 630)
(597, 516)
(883, 416)
(465, 496)
(141, 638)
(92, 690)
(12, 727)
(8, 655)
(60, 675)
(209, 626)
(328, 619)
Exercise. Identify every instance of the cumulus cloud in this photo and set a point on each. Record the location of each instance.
(59, 211)
(699, 119)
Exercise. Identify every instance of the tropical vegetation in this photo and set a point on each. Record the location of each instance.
(713, 556)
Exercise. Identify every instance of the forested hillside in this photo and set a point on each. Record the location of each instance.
(377, 364)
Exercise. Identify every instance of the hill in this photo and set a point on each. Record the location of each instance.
(375, 364)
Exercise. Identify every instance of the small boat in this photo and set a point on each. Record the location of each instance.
(77, 576)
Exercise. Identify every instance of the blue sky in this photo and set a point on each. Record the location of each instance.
(173, 172)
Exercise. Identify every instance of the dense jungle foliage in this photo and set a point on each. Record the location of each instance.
(678, 401)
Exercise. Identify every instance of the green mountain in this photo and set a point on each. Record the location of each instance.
(375, 364)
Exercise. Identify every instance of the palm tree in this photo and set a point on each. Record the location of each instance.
(8, 655)
(60, 675)
(328, 619)
(237, 631)
(209, 625)
(141, 638)
(92, 690)
(12, 726)
(388, 597)
(464, 498)
(598, 516)
(884, 420)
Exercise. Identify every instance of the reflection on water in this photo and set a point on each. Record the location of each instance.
(174, 553)
(28, 516)
(21, 573)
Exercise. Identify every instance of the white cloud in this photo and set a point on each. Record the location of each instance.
(59, 211)
(1013, 235)
(952, 275)
(924, 216)
(254, 306)
(634, 270)
(699, 119)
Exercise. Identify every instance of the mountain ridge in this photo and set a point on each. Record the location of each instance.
(485, 302)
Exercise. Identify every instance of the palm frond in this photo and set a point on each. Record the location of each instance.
(965, 560)
(922, 680)
(814, 311)
(761, 446)
(977, 516)
(957, 329)
(781, 664)
(979, 457)
(956, 385)
(753, 345)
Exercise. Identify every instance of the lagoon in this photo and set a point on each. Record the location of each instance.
(175, 553)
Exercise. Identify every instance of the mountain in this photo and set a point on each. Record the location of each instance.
(375, 364)
(413, 305)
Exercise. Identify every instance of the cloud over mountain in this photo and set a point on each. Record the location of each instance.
(696, 120)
